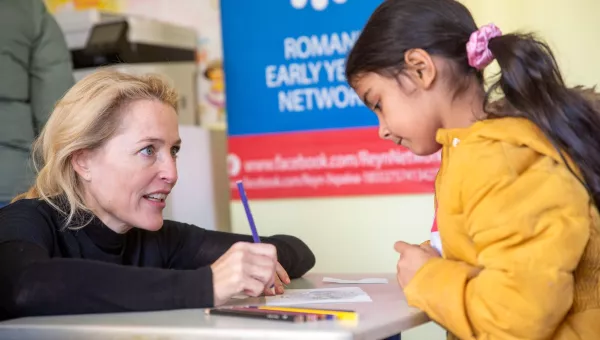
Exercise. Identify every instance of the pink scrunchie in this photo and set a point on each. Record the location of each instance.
(478, 52)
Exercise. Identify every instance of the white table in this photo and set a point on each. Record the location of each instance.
(386, 316)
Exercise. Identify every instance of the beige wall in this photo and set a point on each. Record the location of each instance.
(362, 230)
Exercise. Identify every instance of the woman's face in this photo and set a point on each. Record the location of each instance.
(127, 180)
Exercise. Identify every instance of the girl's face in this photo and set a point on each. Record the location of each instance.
(408, 115)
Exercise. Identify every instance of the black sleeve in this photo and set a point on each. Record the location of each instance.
(34, 283)
(194, 247)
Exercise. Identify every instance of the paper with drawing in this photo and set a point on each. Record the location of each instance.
(321, 295)
(355, 281)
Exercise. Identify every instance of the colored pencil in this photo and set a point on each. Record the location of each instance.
(267, 314)
(340, 314)
(249, 217)
(257, 315)
(308, 316)
(244, 199)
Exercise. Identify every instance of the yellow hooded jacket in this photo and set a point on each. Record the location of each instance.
(521, 248)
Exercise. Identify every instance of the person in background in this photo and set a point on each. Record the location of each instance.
(89, 236)
(517, 193)
(35, 71)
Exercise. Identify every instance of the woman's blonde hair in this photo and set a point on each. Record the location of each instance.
(85, 118)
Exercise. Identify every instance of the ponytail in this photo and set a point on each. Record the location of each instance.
(530, 79)
(534, 88)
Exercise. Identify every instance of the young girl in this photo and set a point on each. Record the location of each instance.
(518, 189)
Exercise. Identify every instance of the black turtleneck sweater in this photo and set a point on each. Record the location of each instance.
(46, 269)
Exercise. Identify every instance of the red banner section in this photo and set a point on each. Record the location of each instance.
(346, 162)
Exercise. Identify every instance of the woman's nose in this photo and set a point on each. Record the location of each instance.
(169, 171)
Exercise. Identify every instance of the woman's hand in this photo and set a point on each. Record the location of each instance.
(245, 267)
(412, 258)
(281, 279)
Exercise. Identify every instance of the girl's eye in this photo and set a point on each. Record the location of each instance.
(377, 106)
(148, 151)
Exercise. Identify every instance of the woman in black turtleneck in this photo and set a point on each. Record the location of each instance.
(89, 236)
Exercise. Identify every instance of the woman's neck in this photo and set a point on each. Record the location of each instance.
(104, 216)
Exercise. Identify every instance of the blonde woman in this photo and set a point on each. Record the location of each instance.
(89, 236)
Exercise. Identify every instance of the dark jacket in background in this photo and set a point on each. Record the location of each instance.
(35, 71)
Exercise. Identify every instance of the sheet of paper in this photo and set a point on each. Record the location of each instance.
(240, 297)
(321, 295)
(371, 280)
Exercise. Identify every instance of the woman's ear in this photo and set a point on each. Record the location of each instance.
(421, 66)
(81, 164)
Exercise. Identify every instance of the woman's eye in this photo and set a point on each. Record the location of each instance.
(148, 151)
(377, 106)
(175, 151)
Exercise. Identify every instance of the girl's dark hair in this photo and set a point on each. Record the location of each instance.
(530, 79)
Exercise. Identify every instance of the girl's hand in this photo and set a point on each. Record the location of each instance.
(412, 258)
(282, 278)
(429, 249)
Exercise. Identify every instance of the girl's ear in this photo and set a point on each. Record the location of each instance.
(421, 66)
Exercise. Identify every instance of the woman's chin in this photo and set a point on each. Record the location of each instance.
(151, 225)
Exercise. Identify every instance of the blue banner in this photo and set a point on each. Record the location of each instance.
(284, 64)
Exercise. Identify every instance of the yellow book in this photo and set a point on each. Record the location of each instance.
(340, 314)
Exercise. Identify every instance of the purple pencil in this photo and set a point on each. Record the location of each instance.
(244, 198)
